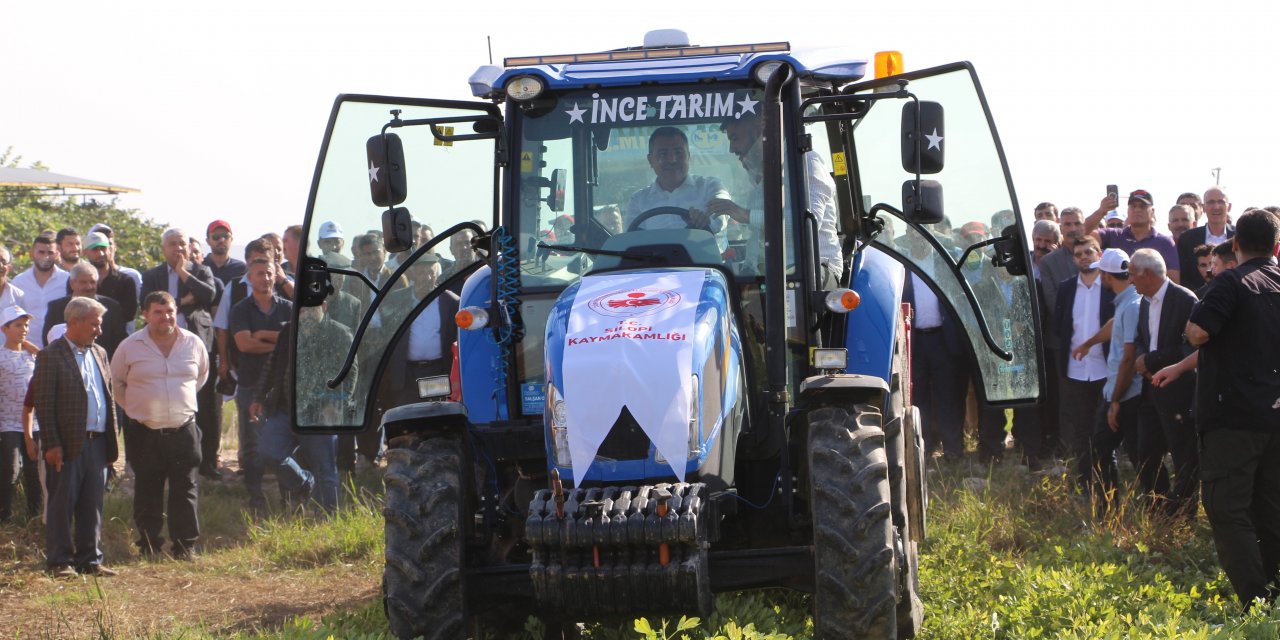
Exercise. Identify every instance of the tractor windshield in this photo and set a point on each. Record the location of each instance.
(599, 163)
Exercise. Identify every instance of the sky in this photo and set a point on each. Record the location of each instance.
(217, 110)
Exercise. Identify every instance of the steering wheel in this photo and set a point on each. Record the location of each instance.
(671, 211)
(661, 211)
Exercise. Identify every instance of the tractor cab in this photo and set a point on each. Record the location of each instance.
(656, 284)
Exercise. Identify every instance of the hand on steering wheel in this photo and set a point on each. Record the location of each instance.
(693, 218)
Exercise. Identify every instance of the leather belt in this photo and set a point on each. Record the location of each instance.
(94, 434)
(927, 329)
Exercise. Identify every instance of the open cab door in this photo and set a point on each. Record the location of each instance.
(367, 270)
(919, 134)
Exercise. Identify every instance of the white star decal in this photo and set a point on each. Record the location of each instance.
(935, 140)
(747, 104)
(373, 172)
(575, 114)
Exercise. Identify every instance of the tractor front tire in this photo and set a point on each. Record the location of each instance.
(422, 580)
(853, 534)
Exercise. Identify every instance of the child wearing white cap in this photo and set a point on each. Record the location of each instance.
(17, 363)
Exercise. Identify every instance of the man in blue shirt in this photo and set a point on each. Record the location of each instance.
(1122, 394)
(255, 326)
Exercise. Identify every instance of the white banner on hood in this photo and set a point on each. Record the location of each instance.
(630, 343)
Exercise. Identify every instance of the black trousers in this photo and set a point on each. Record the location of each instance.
(1105, 473)
(1078, 414)
(1171, 428)
(937, 386)
(209, 419)
(14, 463)
(158, 458)
(1241, 472)
(1047, 413)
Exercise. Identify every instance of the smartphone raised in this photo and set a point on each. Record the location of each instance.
(1114, 192)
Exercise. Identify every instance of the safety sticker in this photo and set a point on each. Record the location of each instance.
(448, 131)
(837, 161)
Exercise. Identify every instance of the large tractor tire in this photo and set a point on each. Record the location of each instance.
(855, 557)
(422, 580)
(904, 456)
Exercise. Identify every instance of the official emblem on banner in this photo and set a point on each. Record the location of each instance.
(633, 303)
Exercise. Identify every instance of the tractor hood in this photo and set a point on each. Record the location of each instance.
(639, 340)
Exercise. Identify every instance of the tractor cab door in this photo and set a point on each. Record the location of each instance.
(937, 136)
(381, 243)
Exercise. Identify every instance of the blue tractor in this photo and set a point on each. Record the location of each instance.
(675, 274)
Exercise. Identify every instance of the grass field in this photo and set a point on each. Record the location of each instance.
(1009, 555)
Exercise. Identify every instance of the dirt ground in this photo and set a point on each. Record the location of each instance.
(226, 590)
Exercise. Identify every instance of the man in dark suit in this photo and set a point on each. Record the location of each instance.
(1083, 306)
(427, 348)
(1217, 208)
(84, 284)
(1165, 416)
(195, 288)
(73, 402)
(938, 355)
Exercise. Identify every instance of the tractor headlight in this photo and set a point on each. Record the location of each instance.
(434, 387)
(695, 424)
(559, 427)
(830, 359)
(766, 69)
(524, 88)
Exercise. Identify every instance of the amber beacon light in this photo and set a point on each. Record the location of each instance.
(888, 63)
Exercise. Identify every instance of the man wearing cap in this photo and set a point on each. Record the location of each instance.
(1139, 231)
(41, 284)
(1113, 220)
(156, 375)
(84, 284)
(1117, 420)
(73, 399)
(129, 272)
(224, 267)
(1166, 421)
(330, 237)
(112, 283)
(1217, 230)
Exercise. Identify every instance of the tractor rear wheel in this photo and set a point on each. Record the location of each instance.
(855, 557)
(422, 580)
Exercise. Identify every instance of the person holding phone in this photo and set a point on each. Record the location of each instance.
(1139, 231)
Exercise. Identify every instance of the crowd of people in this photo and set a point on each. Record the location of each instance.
(1127, 311)
(1131, 317)
(93, 349)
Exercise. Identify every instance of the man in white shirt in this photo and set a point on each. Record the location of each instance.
(1084, 305)
(41, 284)
(673, 186)
(157, 373)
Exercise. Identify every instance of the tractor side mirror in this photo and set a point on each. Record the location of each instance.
(397, 230)
(922, 201)
(923, 133)
(313, 283)
(555, 199)
(1008, 254)
(388, 183)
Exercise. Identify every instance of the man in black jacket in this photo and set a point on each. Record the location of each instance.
(1165, 421)
(1083, 306)
(195, 288)
(1238, 401)
(1217, 230)
(84, 284)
